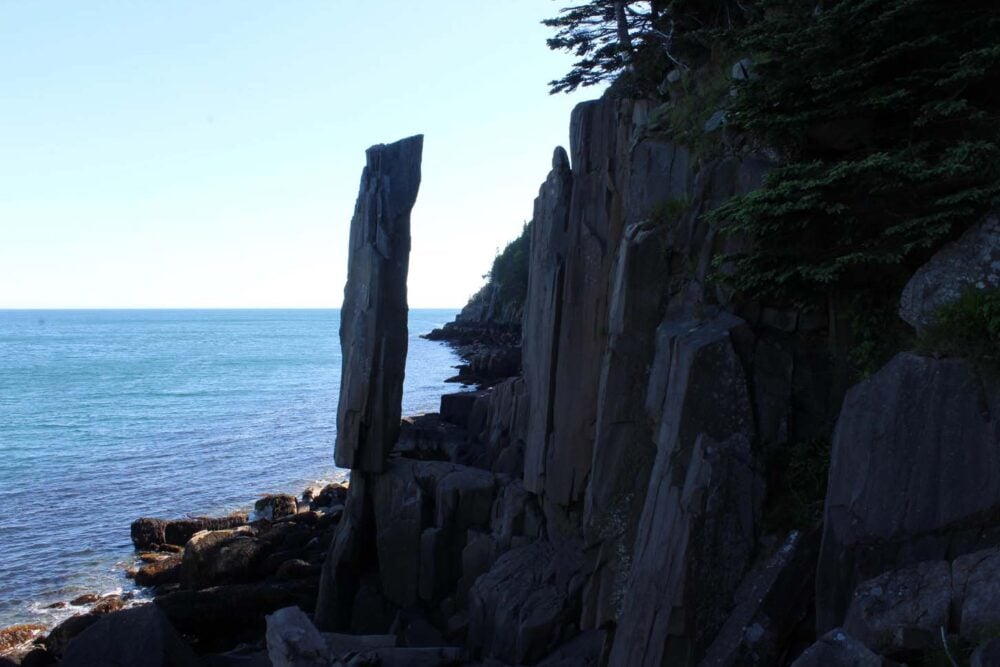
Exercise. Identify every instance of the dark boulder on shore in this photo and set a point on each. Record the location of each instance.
(274, 507)
(164, 571)
(138, 636)
(219, 618)
(149, 534)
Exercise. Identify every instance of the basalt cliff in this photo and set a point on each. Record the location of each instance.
(673, 474)
(654, 470)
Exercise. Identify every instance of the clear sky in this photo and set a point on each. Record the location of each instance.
(208, 153)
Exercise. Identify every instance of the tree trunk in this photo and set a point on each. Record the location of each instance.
(624, 38)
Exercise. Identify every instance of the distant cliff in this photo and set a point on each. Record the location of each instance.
(487, 331)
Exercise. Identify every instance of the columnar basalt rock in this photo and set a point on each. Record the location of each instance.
(697, 530)
(543, 310)
(912, 475)
(624, 449)
(373, 339)
(373, 329)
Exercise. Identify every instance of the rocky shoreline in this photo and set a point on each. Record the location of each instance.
(210, 575)
(672, 475)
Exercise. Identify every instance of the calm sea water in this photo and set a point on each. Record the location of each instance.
(110, 415)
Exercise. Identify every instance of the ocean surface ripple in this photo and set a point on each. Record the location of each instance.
(106, 416)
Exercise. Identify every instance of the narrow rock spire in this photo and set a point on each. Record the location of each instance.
(373, 331)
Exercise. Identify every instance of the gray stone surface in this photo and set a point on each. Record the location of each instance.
(217, 557)
(697, 530)
(624, 449)
(293, 641)
(971, 261)
(543, 309)
(976, 594)
(584, 650)
(350, 554)
(774, 598)
(912, 475)
(373, 320)
(902, 610)
(837, 649)
(137, 636)
(524, 606)
(455, 408)
(986, 655)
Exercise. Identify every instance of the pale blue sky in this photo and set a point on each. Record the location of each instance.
(207, 153)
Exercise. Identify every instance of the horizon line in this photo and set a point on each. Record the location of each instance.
(80, 308)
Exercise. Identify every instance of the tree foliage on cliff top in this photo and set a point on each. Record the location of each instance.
(509, 273)
(886, 115)
(635, 43)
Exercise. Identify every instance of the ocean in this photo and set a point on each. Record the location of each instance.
(107, 415)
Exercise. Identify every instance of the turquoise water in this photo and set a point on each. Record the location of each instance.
(110, 415)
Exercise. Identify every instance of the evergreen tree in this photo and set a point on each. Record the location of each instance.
(885, 113)
(640, 39)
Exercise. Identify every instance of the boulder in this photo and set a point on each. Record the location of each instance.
(329, 495)
(902, 610)
(455, 408)
(221, 617)
(160, 572)
(775, 598)
(976, 594)
(59, 637)
(940, 418)
(152, 534)
(293, 641)
(297, 569)
(428, 438)
(274, 507)
(373, 320)
(219, 556)
(108, 604)
(838, 649)
(16, 635)
(973, 261)
(137, 636)
(527, 603)
(86, 598)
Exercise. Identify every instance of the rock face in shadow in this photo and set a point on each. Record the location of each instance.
(972, 261)
(697, 531)
(912, 476)
(373, 329)
(138, 636)
(624, 448)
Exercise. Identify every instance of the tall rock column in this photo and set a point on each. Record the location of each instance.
(373, 341)
(373, 332)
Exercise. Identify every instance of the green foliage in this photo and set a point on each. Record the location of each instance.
(697, 95)
(969, 328)
(656, 37)
(509, 273)
(886, 114)
(796, 486)
(876, 331)
(669, 212)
